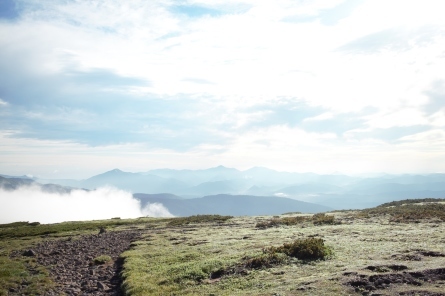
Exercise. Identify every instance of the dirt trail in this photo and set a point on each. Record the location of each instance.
(71, 266)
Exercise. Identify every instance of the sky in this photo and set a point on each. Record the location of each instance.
(355, 86)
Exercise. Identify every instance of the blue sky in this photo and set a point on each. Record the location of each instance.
(320, 86)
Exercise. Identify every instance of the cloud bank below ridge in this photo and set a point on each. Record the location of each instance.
(31, 204)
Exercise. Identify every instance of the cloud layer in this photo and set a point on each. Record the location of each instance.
(192, 83)
(32, 204)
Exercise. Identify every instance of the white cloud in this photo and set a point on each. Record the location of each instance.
(3, 103)
(321, 117)
(404, 117)
(252, 55)
(32, 204)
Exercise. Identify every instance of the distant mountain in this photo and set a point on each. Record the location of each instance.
(196, 177)
(158, 196)
(135, 182)
(16, 177)
(311, 188)
(334, 190)
(16, 183)
(235, 205)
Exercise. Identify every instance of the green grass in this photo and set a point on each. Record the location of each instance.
(15, 271)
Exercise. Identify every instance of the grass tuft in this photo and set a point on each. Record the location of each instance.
(102, 259)
(265, 260)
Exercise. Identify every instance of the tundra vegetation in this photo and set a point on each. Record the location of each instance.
(394, 249)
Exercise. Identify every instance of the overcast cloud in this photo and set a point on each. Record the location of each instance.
(322, 86)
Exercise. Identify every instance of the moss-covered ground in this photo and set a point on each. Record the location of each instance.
(185, 260)
(214, 256)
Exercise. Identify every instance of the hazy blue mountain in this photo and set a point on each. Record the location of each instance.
(134, 182)
(234, 186)
(400, 179)
(62, 182)
(335, 190)
(196, 177)
(16, 177)
(311, 188)
(235, 205)
(16, 183)
(398, 187)
(159, 197)
(361, 201)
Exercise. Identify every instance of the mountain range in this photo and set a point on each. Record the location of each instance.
(335, 191)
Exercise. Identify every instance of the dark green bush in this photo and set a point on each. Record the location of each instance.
(304, 249)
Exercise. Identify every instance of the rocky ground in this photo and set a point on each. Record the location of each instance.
(72, 267)
(371, 285)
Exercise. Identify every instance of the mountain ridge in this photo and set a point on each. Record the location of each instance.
(335, 190)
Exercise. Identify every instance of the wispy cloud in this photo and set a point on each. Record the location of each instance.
(3, 103)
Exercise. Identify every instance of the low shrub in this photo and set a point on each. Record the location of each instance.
(323, 219)
(294, 220)
(270, 223)
(304, 249)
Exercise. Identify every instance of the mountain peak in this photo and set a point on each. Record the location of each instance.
(112, 172)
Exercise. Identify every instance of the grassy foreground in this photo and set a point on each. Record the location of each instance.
(197, 260)
(217, 255)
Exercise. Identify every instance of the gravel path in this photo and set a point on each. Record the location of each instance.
(71, 265)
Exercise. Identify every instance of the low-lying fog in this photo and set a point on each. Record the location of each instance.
(31, 204)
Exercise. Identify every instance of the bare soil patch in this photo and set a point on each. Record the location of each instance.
(71, 265)
(366, 284)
